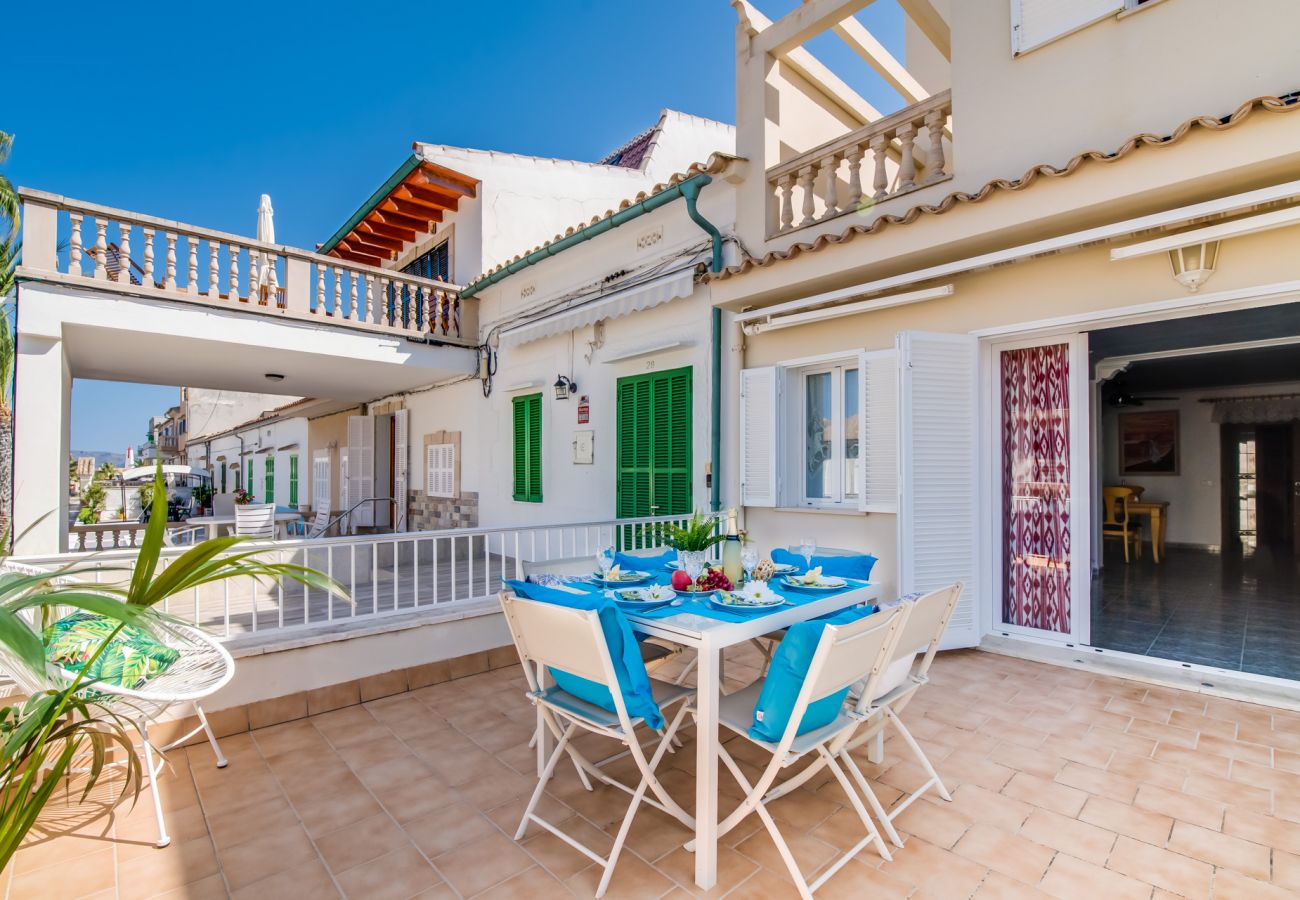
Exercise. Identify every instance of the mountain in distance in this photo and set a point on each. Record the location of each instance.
(102, 456)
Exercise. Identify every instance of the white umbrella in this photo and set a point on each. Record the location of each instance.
(266, 281)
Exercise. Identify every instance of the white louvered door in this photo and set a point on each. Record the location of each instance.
(401, 465)
(1036, 22)
(758, 463)
(878, 388)
(320, 480)
(345, 527)
(938, 448)
(361, 468)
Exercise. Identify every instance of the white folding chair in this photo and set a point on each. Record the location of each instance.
(255, 520)
(572, 640)
(320, 523)
(923, 630)
(845, 655)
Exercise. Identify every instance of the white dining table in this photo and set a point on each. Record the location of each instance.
(212, 525)
(710, 637)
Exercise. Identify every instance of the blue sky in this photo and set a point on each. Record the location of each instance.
(191, 111)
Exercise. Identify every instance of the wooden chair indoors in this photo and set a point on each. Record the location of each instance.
(1117, 522)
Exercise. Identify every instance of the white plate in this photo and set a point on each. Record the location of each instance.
(718, 601)
(828, 583)
(628, 580)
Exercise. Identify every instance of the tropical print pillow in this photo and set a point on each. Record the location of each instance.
(130, 661)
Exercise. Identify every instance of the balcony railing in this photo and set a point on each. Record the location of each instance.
(905, 151)
(385, 574)
(84, 244)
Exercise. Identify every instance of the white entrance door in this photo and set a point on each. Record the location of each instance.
(938, 520)
(1039, 473)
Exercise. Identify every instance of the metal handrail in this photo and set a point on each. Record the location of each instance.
(343, 515)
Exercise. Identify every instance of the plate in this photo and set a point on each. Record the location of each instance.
(699, 595)
(672, 566)
(633, 598)
(627, 578)
(830, 583)
(733, 602)
(784, 568)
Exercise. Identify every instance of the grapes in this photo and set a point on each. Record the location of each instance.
(714, 580)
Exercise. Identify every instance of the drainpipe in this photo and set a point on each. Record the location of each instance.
(715, 413)
(691, 191)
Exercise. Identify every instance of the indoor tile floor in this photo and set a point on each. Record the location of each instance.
(1065, 784)
(1200, 607)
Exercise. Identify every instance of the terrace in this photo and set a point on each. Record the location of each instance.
(1064, 784)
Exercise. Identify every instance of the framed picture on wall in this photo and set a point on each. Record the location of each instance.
(1148, 443)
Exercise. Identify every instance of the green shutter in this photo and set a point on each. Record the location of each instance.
(527, 415)
(270, 480)
(248, 482)
(654, 437)
(293, 480)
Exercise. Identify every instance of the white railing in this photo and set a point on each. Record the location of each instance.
(85, 243)
(384, 574)
(105, 536)
(905, 151)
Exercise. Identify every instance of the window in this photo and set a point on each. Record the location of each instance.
(248, 479)
(1038, 22)
(434, 263)
(293, 479)
(270, 480)
(223, 478)
(320, 481)
(528, 448)
(830, 430)
(440, 470)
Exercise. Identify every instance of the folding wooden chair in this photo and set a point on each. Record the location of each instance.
(845, 655)
(572, 640)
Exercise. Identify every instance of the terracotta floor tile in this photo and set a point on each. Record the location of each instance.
(269, 856)
(1229, 793)
(1133, 821)
(238, 826)
(1203, 724)
(633, 879)
(1230, 885)
(733, 868)
(1286, 870)
(1266, 777)
(1036, 761)
(400, 874)
(307, 879)
(1177, 805)
(165, 869)
(1267, 830)
(982, 805)
(936, 823)
(1152, 771)
(415, 799)
(1260, 754)
(531, 884)
(360, 842)
(211, 888)
(478, 864)
(1045, 794)
(856, 880)
(558, 857)
(1098, 782)
(969, 767)
(1015, 856)
(1221, 850)
(1121, 741)
(448, 828)
(809, 853)
(1181, 874)
(939, 872)
(1085, 841)
(1173, 735)
(997, 886)
(1068, 878)
(85, 874)
(331, 811)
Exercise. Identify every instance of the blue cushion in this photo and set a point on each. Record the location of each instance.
(785, 679)
(633, 681)
(858, 565)
(644, 563)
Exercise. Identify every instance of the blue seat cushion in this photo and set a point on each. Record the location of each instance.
(857, 565)
(644, 563)
(785, 678)
(633, 682)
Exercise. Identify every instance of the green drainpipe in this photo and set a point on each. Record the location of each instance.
(715, 462)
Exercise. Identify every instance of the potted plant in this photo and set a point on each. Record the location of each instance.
(692, 541)
(203, 497)
(243, 497)
(63, 723)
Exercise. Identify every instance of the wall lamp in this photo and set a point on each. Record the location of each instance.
(564, 386)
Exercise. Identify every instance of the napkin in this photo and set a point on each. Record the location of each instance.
(565, 588)
(614, 574)
(812, 576)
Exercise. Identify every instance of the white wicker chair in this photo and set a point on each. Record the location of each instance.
(204, 667)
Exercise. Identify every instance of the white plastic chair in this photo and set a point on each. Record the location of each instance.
(924, 629)
(320, 523)
(845, 655)
(255, 520)
(572, 640)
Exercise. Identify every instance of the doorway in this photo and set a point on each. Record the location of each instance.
(654, 445)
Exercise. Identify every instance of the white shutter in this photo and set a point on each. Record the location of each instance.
(361, 467)
(1036, 22)
(938, 444)
(320, 480)
(344, 505)
(440, 470)
(401, 465)
(758, 399)
(878, 431)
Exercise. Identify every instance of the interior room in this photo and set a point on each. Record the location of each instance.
(1196, 463)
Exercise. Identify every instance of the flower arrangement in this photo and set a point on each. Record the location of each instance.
(243, 497)
(659, 592)
(759, 592)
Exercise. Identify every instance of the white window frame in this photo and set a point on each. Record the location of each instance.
(797, 457)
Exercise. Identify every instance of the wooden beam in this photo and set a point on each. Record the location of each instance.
(932, 25)
(437, 176)
(345, 251)
(864, 43)
(361, 244)
(364, 232)
(434, 195)
(405, 208)
(434, 203)
(805, 22)
(392, 217)
(394, 232)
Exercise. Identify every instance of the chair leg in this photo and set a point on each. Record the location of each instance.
(872, 800)
(154, 768)
(1126, 543)
(754, 802)
(920, 755)
(222, 762)
(873, 833)
(545, 776)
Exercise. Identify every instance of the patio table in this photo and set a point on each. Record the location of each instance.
(710, 632)
(212, 525)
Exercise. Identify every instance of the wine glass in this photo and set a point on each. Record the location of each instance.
(605, 561)
(807, 548)
(748, 560)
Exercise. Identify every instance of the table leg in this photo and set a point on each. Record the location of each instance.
(1157, 534)
(708, 691)
(1160, 517)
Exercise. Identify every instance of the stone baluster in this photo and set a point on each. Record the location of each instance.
(124, 254)
(907, 160)
(192, 273)
(320, 288)
(786, 188)
(879, 178)
(806, 178)
(170, 281)
(213, 277)
(352, 306)
(74, 244)
(101, 248)
(148, 257)
(934, 121)
(232, 292)
(854, 157)
(379, 314)
(364, 315)
(831, 166)
(338, 293)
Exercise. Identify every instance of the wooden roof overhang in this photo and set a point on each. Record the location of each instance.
(408, 205)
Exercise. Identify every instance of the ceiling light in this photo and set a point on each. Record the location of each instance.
(273, 376)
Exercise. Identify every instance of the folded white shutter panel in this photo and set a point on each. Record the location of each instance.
(401, 465)
(758, 399)
(878, 430)
(361, 467)
(1036, 22)
(440, 470)
(320, 481)
(938, 445)
(344, 505)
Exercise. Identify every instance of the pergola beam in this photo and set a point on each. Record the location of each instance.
(932, 25)
(806, 22)
(864, 43)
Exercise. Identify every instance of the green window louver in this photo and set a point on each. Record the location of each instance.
(528, 448)
(293, 480)
(270, 480)
(654, 444)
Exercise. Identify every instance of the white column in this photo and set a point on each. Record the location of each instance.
(42, 416)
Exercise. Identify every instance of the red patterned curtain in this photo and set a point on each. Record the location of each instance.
(1036, 487)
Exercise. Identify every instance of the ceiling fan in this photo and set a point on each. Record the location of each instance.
(1118, 395)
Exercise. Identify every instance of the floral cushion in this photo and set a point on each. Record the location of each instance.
(131, 660)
